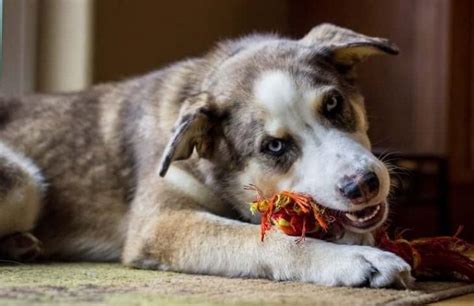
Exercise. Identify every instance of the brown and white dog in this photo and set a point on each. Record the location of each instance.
(151, 171)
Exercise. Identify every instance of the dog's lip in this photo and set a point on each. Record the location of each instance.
(364, 218)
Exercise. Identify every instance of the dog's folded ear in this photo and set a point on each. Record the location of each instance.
(344, 46)
(197, 117)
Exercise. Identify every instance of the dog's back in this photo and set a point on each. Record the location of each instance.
(80, 145)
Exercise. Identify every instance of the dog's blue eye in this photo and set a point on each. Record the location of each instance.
(275, 147)
(333, 104)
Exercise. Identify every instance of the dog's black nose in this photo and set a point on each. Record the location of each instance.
(360, 188)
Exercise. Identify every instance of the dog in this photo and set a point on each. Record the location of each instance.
(151, 170)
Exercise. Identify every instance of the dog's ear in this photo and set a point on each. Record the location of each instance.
(346, 47)
(197, 117)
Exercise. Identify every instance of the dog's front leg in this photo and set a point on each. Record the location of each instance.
(199, 242)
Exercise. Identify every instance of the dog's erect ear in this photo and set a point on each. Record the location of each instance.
(197, 117)
(346, 47)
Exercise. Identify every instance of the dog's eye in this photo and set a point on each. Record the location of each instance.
(332, 104)
(275, 147)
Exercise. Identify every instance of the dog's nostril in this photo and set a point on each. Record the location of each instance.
(360, 188)
(371, 182)
(349, 188)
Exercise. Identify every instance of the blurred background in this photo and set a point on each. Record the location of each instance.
(420, 103)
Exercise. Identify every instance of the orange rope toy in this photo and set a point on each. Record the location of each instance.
(294, 214)
(298, 214)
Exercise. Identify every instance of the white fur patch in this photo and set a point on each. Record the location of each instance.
(276, 91)
(328, 156)
(20, 207)
(289, 104)
(23, 162)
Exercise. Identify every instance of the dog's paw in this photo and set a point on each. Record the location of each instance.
(390, 270)
(23, 247)
(358, 266)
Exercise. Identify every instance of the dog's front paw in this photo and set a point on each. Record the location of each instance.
(365, 266)
(390, 270)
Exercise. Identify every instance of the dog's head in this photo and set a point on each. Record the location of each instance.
(286, 115)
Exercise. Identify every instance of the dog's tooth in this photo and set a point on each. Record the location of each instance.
(373, 214)
(375, 211)
(363, 219)
(351, 217)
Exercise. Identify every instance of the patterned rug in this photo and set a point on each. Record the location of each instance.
(113, 284)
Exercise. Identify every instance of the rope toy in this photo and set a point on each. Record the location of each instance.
(297, 214)
(442, 257)
(293, 213)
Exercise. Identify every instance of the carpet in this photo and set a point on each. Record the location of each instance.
(113, 284)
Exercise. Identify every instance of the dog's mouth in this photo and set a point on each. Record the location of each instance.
(365, 218)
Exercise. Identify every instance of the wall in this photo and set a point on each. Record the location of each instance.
(136, 36)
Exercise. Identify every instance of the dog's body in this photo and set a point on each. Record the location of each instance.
(81, 170)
